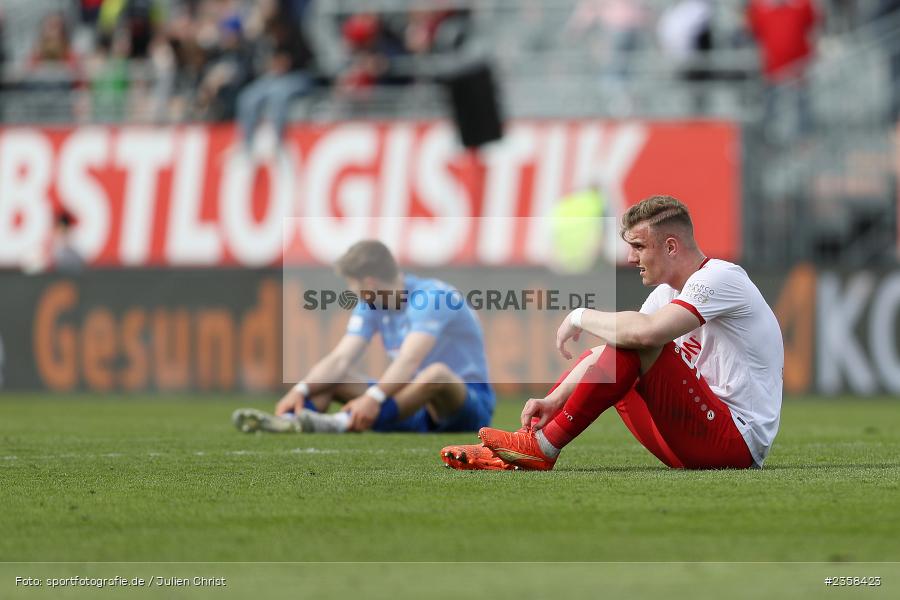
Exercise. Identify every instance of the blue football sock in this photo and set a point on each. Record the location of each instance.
(387, 415)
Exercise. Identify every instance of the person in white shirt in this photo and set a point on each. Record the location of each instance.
(696, 374)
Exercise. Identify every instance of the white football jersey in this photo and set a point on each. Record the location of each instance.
(737, 349)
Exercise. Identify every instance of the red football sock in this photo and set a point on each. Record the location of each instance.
(584, 355)
(604, 383)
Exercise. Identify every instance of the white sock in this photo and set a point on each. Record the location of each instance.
(343, 421)
(313, 421)
(549, 450)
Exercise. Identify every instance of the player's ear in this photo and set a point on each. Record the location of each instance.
(671, 245)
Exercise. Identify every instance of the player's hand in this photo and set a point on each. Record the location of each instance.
(292, 401)
(541, 409)
(363, 412)
(567, 331)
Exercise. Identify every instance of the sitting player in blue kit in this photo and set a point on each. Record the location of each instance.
(436, 381)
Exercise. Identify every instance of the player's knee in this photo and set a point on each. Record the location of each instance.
(592, 354)
(437, 373)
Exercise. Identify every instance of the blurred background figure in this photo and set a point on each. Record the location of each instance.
(58, 252)
(178, 57)
(140, 18)
(65, 258)
(685, 35)
(618, 28)
(229, 69)
(373, 46)
(108, 78)
(578, 231)
(287, 60)
(89, 11)
(53, 69)
(53, 47)
(783, 30)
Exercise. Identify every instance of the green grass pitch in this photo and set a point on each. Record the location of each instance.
(142, 480)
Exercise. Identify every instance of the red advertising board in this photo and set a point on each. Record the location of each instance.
(188, 195)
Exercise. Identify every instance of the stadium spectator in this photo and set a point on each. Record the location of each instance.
(287, 73)
(89, 11)
(108, 77)
(53, 72)
(53, 49)
(685, 35)
(373, 46)
(65, 257)
(782, 29)
(140, 18)
(696, 375)
(618, 25)
(437, 380)
(360, 33)
(179, 60)
(57, 252)
(229, 69)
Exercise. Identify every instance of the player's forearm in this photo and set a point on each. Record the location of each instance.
(627, 329)
(331, 369)
(398, 375)
(568, 385)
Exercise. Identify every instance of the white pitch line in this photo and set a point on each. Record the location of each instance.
(204, 453)
(313, 451)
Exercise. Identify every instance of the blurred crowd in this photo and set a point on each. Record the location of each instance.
(175, 60)
(169, 60)
(217, 59)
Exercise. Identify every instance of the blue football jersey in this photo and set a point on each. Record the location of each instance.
(434, 307)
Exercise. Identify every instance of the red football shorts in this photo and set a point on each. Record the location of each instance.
(673, 413)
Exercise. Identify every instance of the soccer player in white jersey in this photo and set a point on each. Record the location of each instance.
(696, 374)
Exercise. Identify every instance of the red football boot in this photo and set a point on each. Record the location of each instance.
(519, 448)
(474, 457)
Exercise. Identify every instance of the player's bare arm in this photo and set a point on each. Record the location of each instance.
(627, 329)
(544, 408)
(364, 409)
(331, 368)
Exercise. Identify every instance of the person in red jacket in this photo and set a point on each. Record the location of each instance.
(783, 29)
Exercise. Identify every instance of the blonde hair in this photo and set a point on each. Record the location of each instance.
(661, 213)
